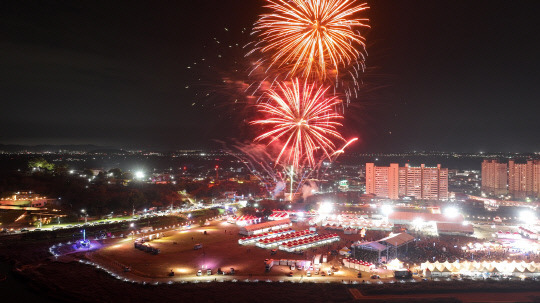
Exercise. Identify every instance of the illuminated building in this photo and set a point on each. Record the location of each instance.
(494, 177)
(382, 180)
(524, 179)
(425, 183)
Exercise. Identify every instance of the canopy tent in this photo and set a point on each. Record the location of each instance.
(454, 228)
(394, 265)
(345, 251)
(476, 268)
(264, 227)
(406, 217)
(397, 240)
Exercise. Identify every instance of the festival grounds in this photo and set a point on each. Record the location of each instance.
(220, 249)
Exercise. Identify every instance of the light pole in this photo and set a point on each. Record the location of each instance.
(132, 231)
(85, 216)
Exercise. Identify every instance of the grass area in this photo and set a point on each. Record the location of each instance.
(82, 222)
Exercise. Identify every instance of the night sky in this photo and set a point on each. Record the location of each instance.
(442, 75)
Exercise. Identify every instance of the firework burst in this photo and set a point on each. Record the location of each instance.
(311, 39)
(302, 120)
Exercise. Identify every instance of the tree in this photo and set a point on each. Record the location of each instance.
(40, 164)
(116, 173)
(61, 170)
(88, 172)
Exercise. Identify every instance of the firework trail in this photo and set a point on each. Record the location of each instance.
(302, 120)
(317, 40)
(257, 160)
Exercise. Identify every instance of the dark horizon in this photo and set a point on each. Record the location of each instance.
(447, 76)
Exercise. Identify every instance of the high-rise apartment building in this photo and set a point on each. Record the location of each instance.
(524, 179)
(494, 177)
(382, 180)
(427, 183)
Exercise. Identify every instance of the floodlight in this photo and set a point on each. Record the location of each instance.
(527, 216)
(387, 209)
(451, 212)
(139, 175)
(325, 208)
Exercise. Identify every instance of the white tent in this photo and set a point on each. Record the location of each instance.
(344, 251)
(506, 268)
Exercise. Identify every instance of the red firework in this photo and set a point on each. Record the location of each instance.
(303, 120)
(311, 38)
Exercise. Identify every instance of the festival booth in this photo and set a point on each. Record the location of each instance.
(278, 215)
(394, 265)
(354, 231)
(276, 241)
(349, 222)
(297, 245)
(261, 228)
(244, 220)
(445, 228)
(527, 233)
(358, 264)
(508, 235)
(268, 235)
(481, 269)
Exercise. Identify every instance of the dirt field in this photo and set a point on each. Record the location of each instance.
(220, 250)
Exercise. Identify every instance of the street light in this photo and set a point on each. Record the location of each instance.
(132, 225)
(85, 216)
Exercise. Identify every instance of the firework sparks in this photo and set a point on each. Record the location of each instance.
(303, 120)
(312, 38)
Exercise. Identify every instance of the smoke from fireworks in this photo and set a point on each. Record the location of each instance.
(302, 120)
(313, 39)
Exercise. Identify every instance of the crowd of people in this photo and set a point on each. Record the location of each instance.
(451, 248)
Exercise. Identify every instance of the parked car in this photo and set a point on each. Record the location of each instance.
(290, 274)
(199, 272)
(375, 277)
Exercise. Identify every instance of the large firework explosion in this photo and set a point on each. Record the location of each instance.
(302, 120)
(306, 56)
(316, 40)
